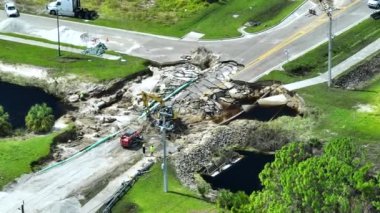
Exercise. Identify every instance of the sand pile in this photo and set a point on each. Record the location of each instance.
(14, 26)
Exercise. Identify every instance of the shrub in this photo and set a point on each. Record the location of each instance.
(231, 201)
(298, 68)
(202, 186)
(40, 118)
(5, 126)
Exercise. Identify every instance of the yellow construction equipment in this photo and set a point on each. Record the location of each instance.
(147, 96)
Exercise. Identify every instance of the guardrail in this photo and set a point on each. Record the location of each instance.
(124, 188)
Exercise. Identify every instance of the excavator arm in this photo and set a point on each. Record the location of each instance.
(147, 96)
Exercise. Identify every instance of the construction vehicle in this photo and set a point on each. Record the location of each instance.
(166, 116)
(70, 8)
(148, 106)
(131, 139)
(146, 96)
(166, 119)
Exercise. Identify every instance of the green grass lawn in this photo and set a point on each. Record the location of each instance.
(215, 21)
(179, 17)
(338, 114)
(315, 62)
(278, 11)
(337, 109)
(147, 196)
(16, 155)
(89, 67)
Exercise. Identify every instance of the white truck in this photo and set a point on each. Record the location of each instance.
(11, 10)
(70, 8)
(373, 4)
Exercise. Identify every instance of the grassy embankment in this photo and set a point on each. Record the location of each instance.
(337, 114)
(147, 196)
(315, 62)
(177, 17)
(215, 20)
(16, 155)
(89, 67)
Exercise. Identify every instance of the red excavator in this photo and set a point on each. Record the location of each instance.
(131, 139)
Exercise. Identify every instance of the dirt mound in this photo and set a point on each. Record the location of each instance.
(360, 75)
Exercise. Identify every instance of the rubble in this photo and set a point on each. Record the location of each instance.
(212, 92)
(203, 144)
(103, 108)
(360, 75)
(73, 98)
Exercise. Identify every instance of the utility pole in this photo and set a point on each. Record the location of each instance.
(286, 51)
(328, 6)
(164, 113)
(22, 207)
(165, 167)
(329, 14)
(59, 40)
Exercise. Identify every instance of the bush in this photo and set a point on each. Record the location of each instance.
(40, 118)
(231, 201)
(5, 126)
(202, 186)
(298, 68)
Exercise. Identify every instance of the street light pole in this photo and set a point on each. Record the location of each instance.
(59, 40)
(165, 157)
(164, 125)
(329, 14)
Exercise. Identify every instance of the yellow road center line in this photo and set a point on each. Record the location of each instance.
(303, 31)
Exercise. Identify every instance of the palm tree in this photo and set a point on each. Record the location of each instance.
(5, 126)
(40, 118)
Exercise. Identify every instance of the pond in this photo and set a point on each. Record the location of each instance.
(243, 175)
(268, 113)
(17, 100)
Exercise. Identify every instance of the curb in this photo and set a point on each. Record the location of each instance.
(282, 20)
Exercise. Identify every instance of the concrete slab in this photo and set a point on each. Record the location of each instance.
(192, 36)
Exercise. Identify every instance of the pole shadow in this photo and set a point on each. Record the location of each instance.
(187, 195)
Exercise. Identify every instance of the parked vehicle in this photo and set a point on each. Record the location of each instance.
(11, 10)
(70, 8)
(373, 4)
(131, 139)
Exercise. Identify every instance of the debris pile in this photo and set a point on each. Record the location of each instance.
(204, 143)
(360, 75)
(98, 50)
(212, 93)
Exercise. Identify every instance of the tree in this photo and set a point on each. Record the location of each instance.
(335, 181)
(231, 201)
(5, 126)
(40, 118)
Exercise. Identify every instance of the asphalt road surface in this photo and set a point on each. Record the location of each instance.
(259, 52)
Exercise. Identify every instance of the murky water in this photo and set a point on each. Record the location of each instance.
(268, 113)
(17, 100)
(243, 175)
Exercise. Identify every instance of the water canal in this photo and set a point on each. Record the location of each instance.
(243, 175)
(17, 101)
(268, 113)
